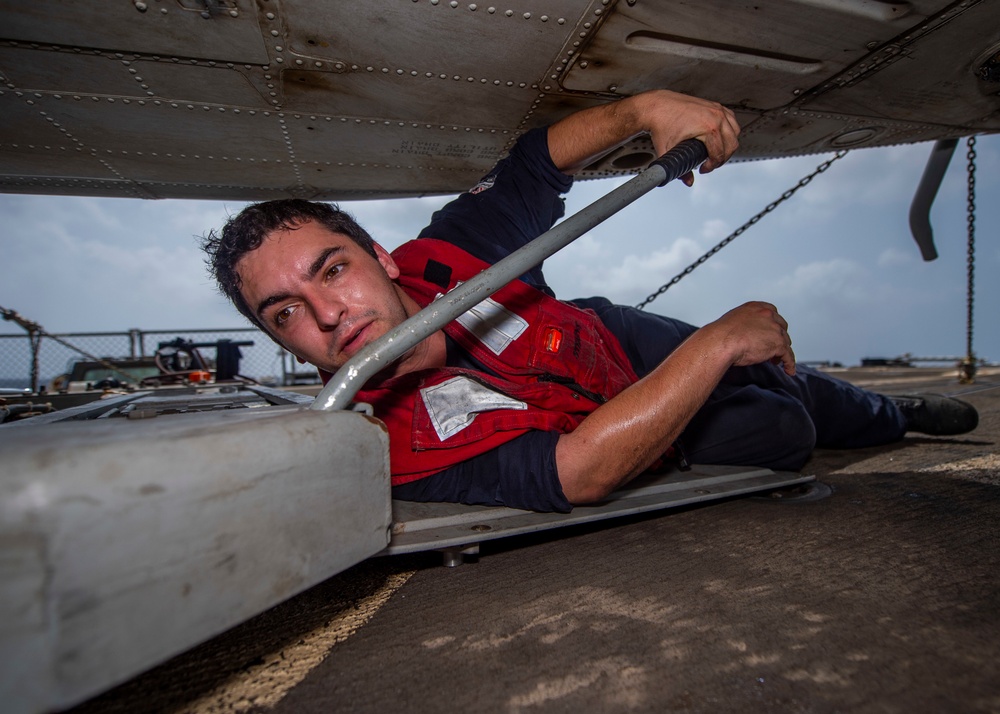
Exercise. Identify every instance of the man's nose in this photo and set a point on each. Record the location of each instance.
(329, 311)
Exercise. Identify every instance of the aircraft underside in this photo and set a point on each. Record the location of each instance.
(231, 99)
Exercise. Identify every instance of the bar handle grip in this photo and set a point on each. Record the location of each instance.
(682, 159)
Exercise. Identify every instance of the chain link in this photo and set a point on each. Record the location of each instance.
(967, 368)
(739, 231)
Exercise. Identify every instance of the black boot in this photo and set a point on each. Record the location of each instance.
(936, 414)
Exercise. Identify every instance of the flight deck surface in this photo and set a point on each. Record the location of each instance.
(882, 596)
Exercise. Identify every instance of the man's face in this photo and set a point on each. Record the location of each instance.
(320, 294)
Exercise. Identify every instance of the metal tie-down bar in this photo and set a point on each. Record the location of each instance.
(340, 390)
(458, 529)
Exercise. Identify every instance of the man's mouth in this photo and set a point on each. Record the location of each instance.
(355, 339)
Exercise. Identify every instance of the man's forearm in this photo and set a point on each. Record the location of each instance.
(668, 117)
(624, 436)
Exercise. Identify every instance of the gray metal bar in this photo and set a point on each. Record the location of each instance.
(340, 390)
(923, 199)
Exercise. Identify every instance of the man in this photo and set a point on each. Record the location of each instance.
(528, 401)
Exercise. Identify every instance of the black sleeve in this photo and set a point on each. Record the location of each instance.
(519, 474)
(516, 202)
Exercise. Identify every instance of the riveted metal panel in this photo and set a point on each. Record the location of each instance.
(930, 75)
(123, 542)
(755, 57)
(162, 128)
(407, 98)
(433, 37)
(71, 187)
(36, 70)
(218, 85)
(366, 142)
(800, 131)
(202, 171)
(52, 160)
(31, 145)
(155, 27)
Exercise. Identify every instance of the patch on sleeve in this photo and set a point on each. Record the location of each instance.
(452, 405)
(437, 273)
(485, 184)
(493, 325)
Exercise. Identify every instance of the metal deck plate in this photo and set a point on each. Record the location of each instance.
(432, 526)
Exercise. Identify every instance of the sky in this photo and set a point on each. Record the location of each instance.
(837, 259)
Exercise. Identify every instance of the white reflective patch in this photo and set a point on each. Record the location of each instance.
(493, 325)
(453, 405)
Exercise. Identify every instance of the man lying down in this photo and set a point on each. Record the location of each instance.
(572, 399)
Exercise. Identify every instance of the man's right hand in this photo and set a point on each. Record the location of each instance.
(671, 118)
(668, 117)
(755, 332)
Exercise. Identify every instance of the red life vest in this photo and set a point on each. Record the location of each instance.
(555, 364)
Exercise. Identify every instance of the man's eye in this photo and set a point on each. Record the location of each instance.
(281, 316)
(334, 269)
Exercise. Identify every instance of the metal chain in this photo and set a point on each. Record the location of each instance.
(739, 231)
(967, 368)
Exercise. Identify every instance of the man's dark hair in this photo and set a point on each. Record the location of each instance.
(246, 231)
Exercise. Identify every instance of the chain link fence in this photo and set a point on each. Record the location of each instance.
(22, 362)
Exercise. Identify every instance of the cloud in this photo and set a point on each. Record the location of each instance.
(714, 229)
(626, 279)
(834, 283)
(894, 257)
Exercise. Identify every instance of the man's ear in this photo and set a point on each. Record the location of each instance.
(388, 264)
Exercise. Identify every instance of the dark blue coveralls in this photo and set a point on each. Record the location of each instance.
(757, 416)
